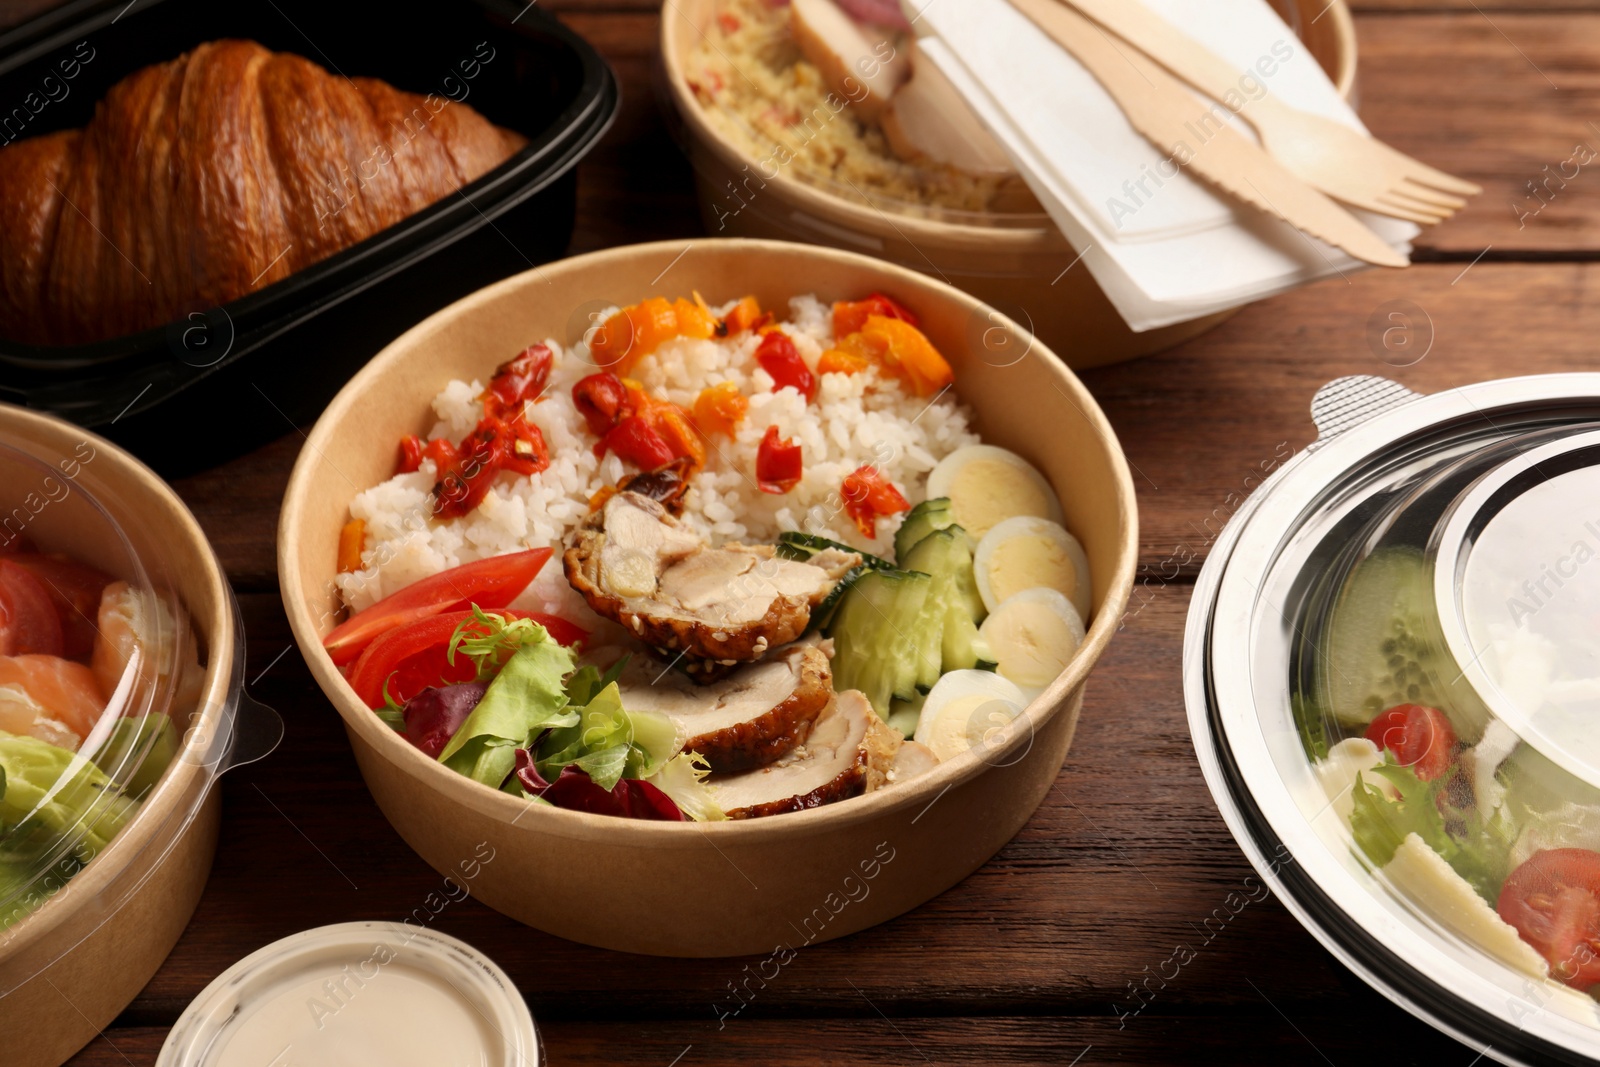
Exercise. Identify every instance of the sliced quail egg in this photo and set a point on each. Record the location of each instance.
(1024, 552)
(987, 485)
(965, 709)
(1032, 636)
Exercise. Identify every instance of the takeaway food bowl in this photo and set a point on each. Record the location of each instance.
(84, 946)
(1016, 263)
(1421, 577)
(693, 889)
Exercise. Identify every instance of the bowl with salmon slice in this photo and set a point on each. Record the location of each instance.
(121, 701)
(692, 580)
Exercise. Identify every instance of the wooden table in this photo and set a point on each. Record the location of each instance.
(1033, 959)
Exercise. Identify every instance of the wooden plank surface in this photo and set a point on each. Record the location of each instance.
(1033, 958)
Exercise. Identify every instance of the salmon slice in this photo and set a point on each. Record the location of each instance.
(47, 697)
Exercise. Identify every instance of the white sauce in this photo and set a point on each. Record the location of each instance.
(353, 995)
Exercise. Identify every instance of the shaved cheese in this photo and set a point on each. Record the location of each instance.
(1424, 876)
(1338, 773)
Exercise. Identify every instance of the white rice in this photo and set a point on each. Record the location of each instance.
(855, 420)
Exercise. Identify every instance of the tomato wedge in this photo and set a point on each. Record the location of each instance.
(29, 624)
(415, 656)
(1554, 902)
(74, 590)
(489, 583)
(1420, 738)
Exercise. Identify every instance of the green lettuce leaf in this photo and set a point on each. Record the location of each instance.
(608, 742)
(492, 642)
(150, 739)
(525, 698)
(683, 779)
(50, 795)
(1477, 849)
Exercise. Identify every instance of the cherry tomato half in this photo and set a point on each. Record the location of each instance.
(489, 583)
(1554, 902)
(412, 657)
(1420, 738)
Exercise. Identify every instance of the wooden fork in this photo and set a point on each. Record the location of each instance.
(1344, 163)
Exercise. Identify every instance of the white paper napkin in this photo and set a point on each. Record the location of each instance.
(1162, 245)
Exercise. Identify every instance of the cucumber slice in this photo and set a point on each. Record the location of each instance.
(905, 714)
(1383, 647)
(800, 547)
(873, 628)
(924, 519)
(795, 545)
(946, 555)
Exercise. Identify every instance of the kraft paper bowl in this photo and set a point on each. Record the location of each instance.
(1015, 263)
(68, 967)
(730, 888)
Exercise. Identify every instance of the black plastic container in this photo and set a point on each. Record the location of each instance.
(225, 379)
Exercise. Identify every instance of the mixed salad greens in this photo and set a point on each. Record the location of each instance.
(497, 696)
(79, 651)
(1393, 726)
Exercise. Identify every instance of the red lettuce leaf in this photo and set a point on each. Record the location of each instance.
(574, 790)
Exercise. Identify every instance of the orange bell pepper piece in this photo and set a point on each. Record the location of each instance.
(838, 361)
(638, 330)
(676, 428)
(720, 408)
(908, 354)
(746, 315)
(351, 537)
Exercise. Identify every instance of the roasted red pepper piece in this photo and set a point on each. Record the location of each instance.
(411, 447)
(778, 463)
(779, 358)
(523, 447)
(868, 495)
(634, 440)
(518, 380)
(464, 485)
(602, 400)
(443, 453)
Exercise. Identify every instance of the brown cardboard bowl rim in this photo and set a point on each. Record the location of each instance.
(573, 824)
(1026, 229)
(174, 795)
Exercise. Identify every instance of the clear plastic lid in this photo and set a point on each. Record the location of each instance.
(1394, 683)
(117, 707)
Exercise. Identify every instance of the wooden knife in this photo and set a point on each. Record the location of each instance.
(1197, 137)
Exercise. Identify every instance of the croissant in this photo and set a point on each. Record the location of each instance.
(211, 176)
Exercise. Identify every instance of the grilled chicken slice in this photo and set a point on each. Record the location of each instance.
(830, 766)
(747, 719)
(635, 563)
(892, 759)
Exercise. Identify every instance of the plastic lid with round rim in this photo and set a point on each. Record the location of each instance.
(363, 992)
